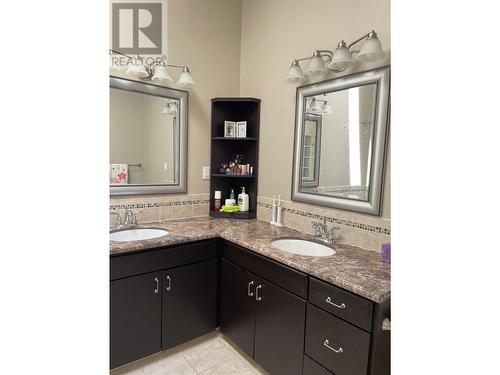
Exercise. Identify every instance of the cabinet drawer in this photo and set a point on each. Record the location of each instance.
(338, 346)
(312, 368)
(279, 274)
(346, 305)
(157, 259)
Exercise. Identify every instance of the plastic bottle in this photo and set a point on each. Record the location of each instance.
(217, 200)
(243, 200)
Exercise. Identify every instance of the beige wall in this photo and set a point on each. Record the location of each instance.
(273, 33)
(206, 36)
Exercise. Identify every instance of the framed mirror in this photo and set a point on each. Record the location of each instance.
(341, 128)
(148, 138)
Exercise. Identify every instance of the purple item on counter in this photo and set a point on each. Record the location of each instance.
(386, 253)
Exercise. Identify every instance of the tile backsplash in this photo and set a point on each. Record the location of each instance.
(161, 207)
(355, 229)
(359, 230)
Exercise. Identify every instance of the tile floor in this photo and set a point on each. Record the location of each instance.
(211, 354)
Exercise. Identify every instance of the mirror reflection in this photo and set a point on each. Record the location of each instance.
(337, 142)
(144, 137)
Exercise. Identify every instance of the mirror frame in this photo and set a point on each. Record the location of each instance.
(380, 77)
(165, 92)
(318, 119)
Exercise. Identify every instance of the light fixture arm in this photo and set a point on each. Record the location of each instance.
(367, 35)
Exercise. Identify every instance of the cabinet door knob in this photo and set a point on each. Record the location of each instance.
(169, 284)
(257, 297)
(329, 300)
(157, 289)
(327, 344)
(249, 289)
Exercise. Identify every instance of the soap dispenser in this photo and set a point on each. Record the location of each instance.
(243, 200)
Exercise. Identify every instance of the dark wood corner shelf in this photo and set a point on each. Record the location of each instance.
(235, 215)
(223, 150)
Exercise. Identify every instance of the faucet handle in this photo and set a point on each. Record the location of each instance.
(319, 228)
(331, 236)
(130, 216)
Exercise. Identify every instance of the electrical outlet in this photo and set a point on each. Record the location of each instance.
(206, 173)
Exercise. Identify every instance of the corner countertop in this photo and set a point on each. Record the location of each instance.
(357, 270)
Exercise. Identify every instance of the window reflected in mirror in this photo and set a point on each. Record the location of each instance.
(337, 142)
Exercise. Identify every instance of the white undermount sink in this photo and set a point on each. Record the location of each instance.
(136, 234)
(302, 247)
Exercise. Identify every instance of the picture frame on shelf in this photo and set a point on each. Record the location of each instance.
(230, 129)
(241, 131)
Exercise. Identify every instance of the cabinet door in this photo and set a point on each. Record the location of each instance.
(279, 329)
(189, 302)
(237, 309)
(135, 313)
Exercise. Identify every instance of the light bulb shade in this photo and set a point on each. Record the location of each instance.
(185, 79)
(137, 68)
(172, 108)
(342, 59)
(315, 106)
(316, 67)
(371, 50)
(295, 74)
(161, 74)
(326, 108)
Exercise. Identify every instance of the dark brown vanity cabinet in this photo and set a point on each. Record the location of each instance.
(288, 322)
(262, 318)
(174, 303)
(188, 302)
(135, 318)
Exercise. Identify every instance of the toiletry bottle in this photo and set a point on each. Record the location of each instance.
(243, 200)
(275, 207)
(231, 194)
(217, 200)
(278, 213)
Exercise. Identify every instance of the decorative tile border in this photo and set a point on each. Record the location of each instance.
(132, 206)
(330, 219)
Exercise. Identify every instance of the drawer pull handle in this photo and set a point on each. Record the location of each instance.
(169, 284)
(329, 300)
(249, 290)
(157, 289)
(257, 297)
(327, 344)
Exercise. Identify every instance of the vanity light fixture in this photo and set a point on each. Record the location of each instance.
(338, 60)
(319, 106)
(156, 71)
(326, 108)
(170, 108)
(315, 105)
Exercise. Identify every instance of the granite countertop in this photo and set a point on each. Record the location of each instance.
(357, 270)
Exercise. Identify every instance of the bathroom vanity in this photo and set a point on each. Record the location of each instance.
(292, 314)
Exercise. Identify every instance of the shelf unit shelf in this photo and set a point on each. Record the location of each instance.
(233, 139)
(223, 149)
(235, 215)
(232, 175)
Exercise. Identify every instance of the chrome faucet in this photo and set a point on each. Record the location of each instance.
(129, 220)
(323, 234)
